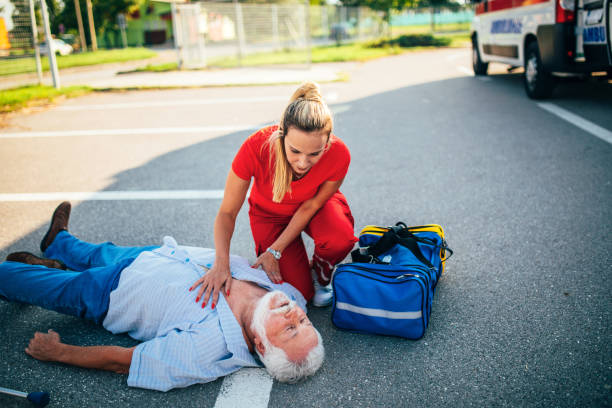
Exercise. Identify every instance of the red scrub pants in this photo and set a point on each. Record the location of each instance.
(331, 228)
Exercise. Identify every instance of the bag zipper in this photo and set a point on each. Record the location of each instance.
(424, 291)
(424, 279)
(424, 269)
(426, 241)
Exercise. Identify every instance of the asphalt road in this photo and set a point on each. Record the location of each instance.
(522, 316)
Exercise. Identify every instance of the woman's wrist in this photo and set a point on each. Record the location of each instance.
(276, 254)
(278, 245)
(222, 262)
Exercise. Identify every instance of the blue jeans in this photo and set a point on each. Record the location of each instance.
(82, 291)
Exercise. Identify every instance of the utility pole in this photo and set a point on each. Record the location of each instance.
(239, 31)
(92, 29)
(176, 34)
(50, 45)
(122, 23)
(307, 32)
(35, 42)
(77, 9)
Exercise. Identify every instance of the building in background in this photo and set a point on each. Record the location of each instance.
(148, 23)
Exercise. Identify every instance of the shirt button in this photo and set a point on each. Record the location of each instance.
(187, 260)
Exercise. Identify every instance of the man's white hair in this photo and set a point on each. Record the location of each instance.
(275, 359)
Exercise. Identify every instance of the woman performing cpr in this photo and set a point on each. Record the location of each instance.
(297, 167)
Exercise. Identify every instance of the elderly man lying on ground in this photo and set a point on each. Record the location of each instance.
(144, 291)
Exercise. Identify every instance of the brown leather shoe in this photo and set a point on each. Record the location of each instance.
(59, 222)
(31, 259)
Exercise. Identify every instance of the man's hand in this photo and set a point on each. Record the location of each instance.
(270, 265)
(48, 347)
(45, 346)
(211, 283)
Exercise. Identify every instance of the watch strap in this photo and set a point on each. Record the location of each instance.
(275, 253)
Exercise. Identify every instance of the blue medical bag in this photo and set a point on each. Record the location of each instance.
(389, 287)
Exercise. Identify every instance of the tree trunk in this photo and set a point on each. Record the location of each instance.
(433, 20)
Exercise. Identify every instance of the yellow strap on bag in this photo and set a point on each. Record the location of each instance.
(377, 230)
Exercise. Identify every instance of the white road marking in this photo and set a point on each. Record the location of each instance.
(331, 97)
(592, 128)
(465, 70)
(457, 56)
(246, 388)
(183, 102)
(116, 195)
(134, 131)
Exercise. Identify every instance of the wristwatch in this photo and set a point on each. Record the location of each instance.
(275, 253)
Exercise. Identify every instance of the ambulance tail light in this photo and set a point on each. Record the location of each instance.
(565, 11)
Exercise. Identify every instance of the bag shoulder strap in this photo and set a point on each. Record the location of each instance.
(399, 234)
(358, 256)
(411, 244)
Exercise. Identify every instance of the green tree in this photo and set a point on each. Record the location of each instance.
(436, 5)
(386, 6)
(104, 12)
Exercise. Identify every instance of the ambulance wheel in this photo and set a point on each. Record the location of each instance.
(539, 83)
(480, 68)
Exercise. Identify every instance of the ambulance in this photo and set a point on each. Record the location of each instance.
(549, 38)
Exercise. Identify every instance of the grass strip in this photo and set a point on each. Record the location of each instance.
(439, 29)
(348, 52)
(25, 65)
(333, 53)
(18, 98)
(165, 67)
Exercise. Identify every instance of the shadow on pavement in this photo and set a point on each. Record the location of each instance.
(521, 316)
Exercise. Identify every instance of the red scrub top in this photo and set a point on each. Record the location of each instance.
(253, 160)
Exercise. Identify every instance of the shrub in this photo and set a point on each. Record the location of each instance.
(414, 40)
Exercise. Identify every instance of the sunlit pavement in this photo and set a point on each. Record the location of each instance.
(521, 316)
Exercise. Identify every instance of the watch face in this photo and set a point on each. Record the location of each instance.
(275, 253)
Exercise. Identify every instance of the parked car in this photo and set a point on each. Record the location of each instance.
(60, 47)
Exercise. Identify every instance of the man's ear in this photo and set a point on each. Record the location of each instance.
(259, 345)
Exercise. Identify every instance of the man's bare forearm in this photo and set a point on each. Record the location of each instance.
(49, 347)
(110, 358)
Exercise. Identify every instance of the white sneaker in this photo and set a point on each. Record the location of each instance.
(323, 295)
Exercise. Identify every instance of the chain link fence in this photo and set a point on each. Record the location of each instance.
(222, 33)
(427, 19)
(17, 38)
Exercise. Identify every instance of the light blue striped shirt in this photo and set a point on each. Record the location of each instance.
(183, 343)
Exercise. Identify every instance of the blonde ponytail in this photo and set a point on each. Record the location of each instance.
(306, 111)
